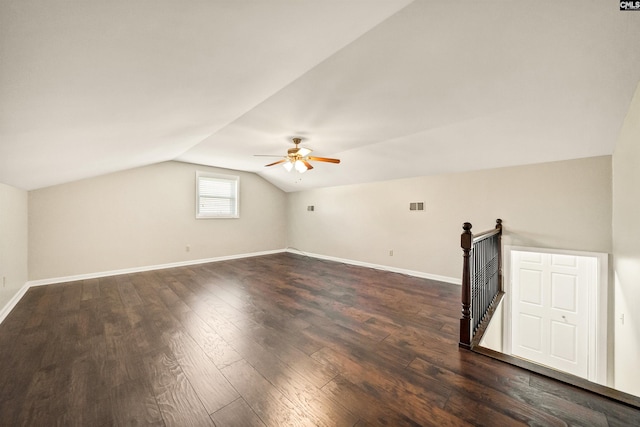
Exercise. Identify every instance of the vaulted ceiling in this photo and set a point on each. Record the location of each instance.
(394, 88)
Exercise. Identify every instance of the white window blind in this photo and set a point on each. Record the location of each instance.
(216, 195)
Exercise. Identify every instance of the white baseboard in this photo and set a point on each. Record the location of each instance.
(148, 268)
(421, 274)
(23, 290)
(13, 301)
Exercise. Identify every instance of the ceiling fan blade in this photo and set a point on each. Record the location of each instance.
(323, 159)
(276, 163)
(307, 164)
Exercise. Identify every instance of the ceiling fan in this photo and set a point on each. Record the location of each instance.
(298, 158)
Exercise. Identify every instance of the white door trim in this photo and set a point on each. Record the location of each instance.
(598, 293)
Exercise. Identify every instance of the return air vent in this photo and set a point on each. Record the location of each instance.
(416, 206)
(311, 208)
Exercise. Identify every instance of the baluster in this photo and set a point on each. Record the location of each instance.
(485, 277)
(498, 254)
(500, 283)
(481, 285)
(478, 313)
(493, 267)
(474, 286)
(477, 279)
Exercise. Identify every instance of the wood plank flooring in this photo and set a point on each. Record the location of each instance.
(279, 340)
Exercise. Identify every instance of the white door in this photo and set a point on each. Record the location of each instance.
(550, 310)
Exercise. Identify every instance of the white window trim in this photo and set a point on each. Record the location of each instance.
(200, 174)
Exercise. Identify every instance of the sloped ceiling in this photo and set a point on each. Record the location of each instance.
(393, 88)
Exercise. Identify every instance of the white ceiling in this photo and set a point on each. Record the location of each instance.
(394, 88)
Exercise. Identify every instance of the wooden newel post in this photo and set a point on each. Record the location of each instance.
(466, 240)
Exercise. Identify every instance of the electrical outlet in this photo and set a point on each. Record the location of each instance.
(391, 252)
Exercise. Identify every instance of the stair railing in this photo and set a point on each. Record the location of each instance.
(481, 281)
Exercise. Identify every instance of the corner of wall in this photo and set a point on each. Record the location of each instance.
(13, 242)
(626, 253)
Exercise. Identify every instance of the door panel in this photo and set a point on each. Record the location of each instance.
(563, 292)
(563, 341)
(531, 327)
(531, 287)
(563, 260)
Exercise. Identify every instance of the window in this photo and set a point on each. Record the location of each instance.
(216, 195)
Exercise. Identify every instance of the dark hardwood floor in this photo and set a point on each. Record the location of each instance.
(279, 340)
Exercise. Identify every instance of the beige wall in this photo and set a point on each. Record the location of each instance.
(13, 242)
(564, 205)
(626, 251)
(144, 217)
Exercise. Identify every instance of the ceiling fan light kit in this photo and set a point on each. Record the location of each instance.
(298, 158)
(300, 167)
(304, 152)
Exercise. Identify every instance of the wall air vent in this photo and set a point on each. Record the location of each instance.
(416, 206)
